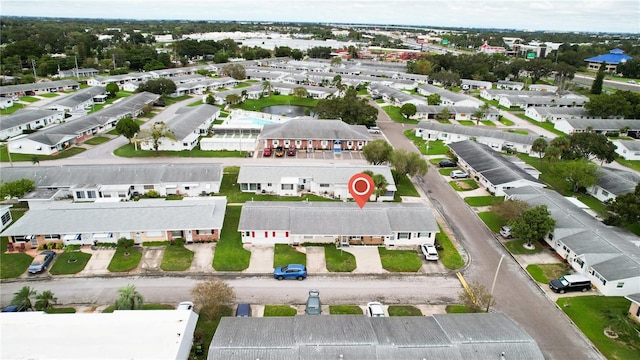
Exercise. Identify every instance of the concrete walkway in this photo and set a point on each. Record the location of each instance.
(367, 259)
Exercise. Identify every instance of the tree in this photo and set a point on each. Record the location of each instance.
(591, 145)
(596, 86)
(127, 127)
(158, 131)
(612, 105)
(236, 71)
(478, 114)
(407, 163)
(563, 72)
(300, 91)
(336, 61)
(579, 173)
(444, 115)
(446, 78)
(296, 54)
(380, 183)
(112, 89)
(161, 86)
(233, 99)
(350, 108)
(509, 210)
(267, 87)
(539, 145)
(210, 296)
(129, 298)
(562, 143)
(630, 68)
(377, 152)
(45, 300)
(16, 188)
(434, 99)
(476, 297)
(538, 68)
(408, 110)
(625, 208)
(22, 298)
(533, 224)
(552, 154)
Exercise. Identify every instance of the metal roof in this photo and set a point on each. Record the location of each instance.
(617, 181)
(77, 98)
(478, 132)
(25, 116)
(306, 128)
(187, 119)
(8, 89)
(604, 124)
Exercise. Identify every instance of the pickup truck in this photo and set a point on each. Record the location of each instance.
(279, 151)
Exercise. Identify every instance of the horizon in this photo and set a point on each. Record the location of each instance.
(567, 16)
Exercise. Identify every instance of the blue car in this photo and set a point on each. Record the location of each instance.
(291, 271)
(41, 261)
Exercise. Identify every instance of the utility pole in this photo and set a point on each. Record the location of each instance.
(113, 57)
(35, 76)
(77, 72)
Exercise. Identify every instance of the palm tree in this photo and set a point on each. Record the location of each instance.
(45, 300)
(22, 298)
(129, 298)
(266, 86)
(379, 181)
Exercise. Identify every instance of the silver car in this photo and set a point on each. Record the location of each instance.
(459, 174)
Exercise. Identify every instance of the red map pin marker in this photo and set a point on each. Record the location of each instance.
(361, 187)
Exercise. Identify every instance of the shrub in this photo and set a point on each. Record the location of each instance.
(125, 243)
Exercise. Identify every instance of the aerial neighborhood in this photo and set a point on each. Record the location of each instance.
(458, 185)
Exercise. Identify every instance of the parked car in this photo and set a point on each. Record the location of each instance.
(185, 305)
(314, 307)
(291, 151)
(447, 163)
(374, 130)
(505, 231)
(430, 252)
(41, 261)
(266, 152)
(159, 104)
(243, 310)
(279, 151)
(570, 283)
(291, 271)
(459, 174)
(376, 97)
(14, 308)
(375, 309)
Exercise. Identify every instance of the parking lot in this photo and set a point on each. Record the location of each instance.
(318, 154)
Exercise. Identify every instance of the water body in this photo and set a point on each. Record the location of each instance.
(288, 110)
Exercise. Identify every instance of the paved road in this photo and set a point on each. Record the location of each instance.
(515, 294)
(588, 80)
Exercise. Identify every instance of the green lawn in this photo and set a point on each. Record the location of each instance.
(242, 85)
(4, 156)
(345, 310)
(436, 147)
(467, 122)
(404, 310)
(506, 122)
(405, 187)
(279, 310)
(11, 110)
(544, 124)
(71, 261)
(112, 308)
(119, 95)
(399, 260)
(168, 100)
(594, 204)
(196, 103)
(456, 309)
(516, 131)
(484, 200)
(463, 185)
(395, 115)
(285, 254)
(129, 151)
(12, 265)
(206, 328)
(517, 247)
(338, 260)
(229, 254)
(447, 252)
(97, 140)
(445, 171)
(587, 313)
(61, 310)
(494, 222)
(488, 122)
(29, 99)
(634, 164)
(543, 273)
(256, 105)
(176, 257)
(49, 95)
(120, 262)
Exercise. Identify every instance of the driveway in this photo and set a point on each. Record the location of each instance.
(98, 263)
(261, 259)
(316, 263)
(202, 257)
(151, 258)
(367, 259)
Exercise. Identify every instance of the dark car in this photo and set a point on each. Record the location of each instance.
(243, 310)
(14, 308)
(570, 283)
(279, 151)
(291, 151)
(266, 152)
(41, 261)
(159, 104)
(291, 271)
(447, 163)
(314, 306)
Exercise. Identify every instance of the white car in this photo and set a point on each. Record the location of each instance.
(375, 309)
(505, 231)
(429, 251)
(185, 305)
(374, 130)
(459, 174)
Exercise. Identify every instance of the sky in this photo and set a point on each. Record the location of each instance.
(554, 15)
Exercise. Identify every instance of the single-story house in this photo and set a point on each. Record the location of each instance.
(120, 181)
(495, 139)
(449, 97)
(609, 256)
(78, 72)
(490, 94)
(509, 85)
(524, 102)
(312, 134)
(439, 336)
(614, 58)
(342, 223)
(186, 126)
(493, 170)
(628, 149)
(329, 180)
(553, 114)
(599, 126)
(455, 112)
(468, 84)
(394, 96)
(6, 102)
(27, 120)
(543, 88)
(192, 219)
(79, 101)
(634, 308)
(5, 216)
(150, 334)
(250, 92)
(53, 139)
(38, 88)
(120, 80)
(613, 182)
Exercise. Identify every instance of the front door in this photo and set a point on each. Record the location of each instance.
(188, 236)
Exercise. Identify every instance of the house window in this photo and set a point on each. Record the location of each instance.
(605, 193)
(247, 233)
(269, 184)
(80, 194)
(204, 232)
(185, 144)
(186, 188)
(6, 217)
(148, 187)
(286, 186)
(324, 185)
(244, 186)
(275, 142)
(427, 234)
(91, 194)
(298, 143)
(349, 143)
(324, 143)
(620, 284)
(176, 233)
(404, 235)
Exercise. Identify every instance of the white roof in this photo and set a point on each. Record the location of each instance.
(149, 334)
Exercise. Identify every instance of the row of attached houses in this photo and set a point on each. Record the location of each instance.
(495, 139)
(330, 180)
(342, 223)
(191, 219)
(27, 120)
(629, 127)
(79, 101)
(44, 87)
(116, 182)
(187, 125)
(613, 182)
(524, 102)
(554, 114)
(54, 139)
(627, 149)
(493, 170)
(449, 97)
(609, 256)
(431, 112)
(312, 134)
(395, 96)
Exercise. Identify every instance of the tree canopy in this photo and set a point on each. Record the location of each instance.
(161, 86)
(533, 224)
(349, 108)
(625, 208)
(210, 296)
(16, 188)
(377, 152)
(579, 173)
(591, 145)
(408, 163)
(408, 110)
(127, 127)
